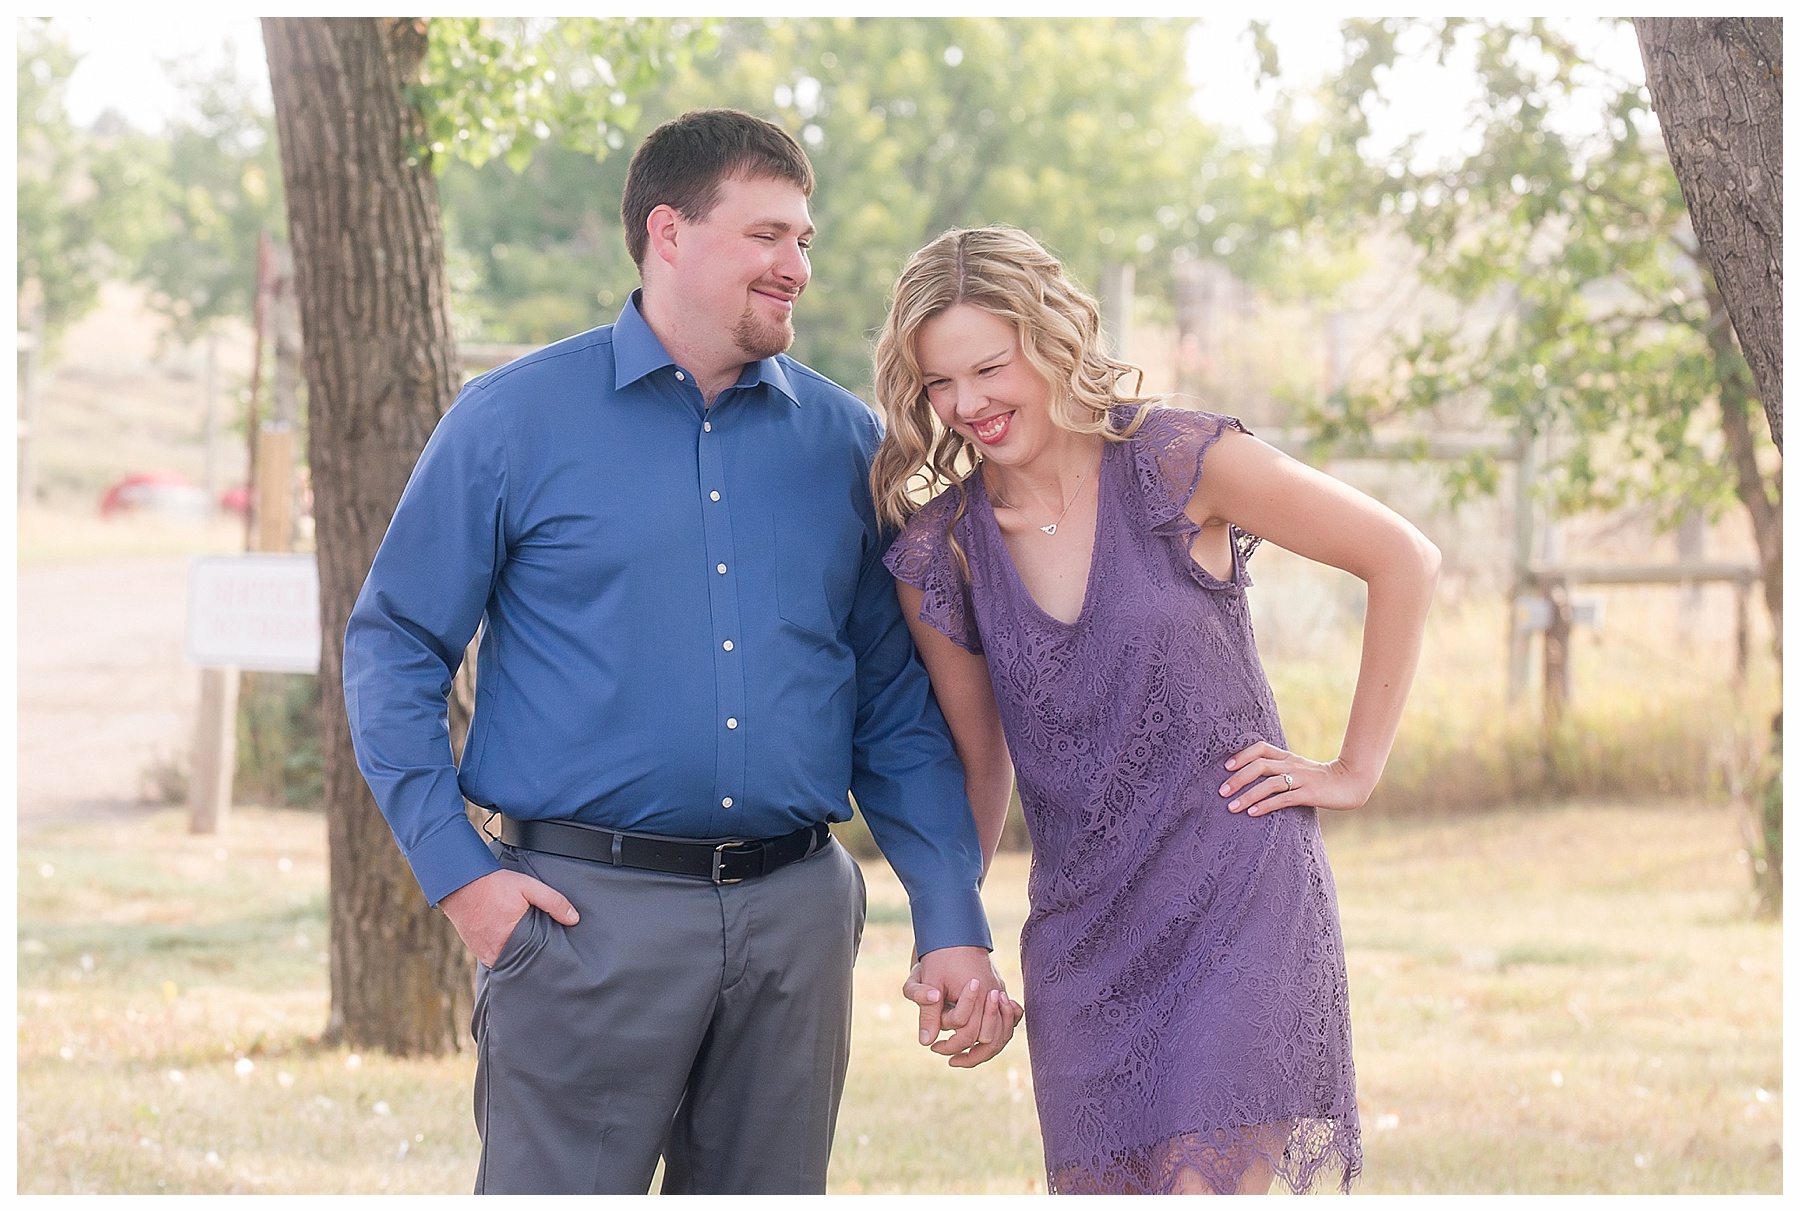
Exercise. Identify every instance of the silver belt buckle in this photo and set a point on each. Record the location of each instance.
(718, 859)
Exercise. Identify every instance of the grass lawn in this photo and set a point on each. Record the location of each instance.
(1544, 1000)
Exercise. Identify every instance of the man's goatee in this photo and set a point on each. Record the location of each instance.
(757, 338)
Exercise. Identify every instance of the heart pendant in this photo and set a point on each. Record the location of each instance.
(1050, 529)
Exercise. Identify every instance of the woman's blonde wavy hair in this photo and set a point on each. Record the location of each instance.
(1006, 273)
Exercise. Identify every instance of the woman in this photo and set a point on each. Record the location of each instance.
(1076, 589)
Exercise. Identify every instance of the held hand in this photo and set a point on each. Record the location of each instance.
(999, 1016)
(957, 990)
(1266, 778)
(486, 911)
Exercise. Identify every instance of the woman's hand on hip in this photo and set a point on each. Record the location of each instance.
(1266, 778)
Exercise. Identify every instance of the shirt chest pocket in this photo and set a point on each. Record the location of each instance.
(818, 559)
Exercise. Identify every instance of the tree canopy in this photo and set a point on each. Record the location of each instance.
(81, 193)
(216, 187)
(1077, 130)
(492, 87)
(1577, 307)
(1580, 309)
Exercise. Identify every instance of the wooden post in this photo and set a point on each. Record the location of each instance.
(268, 526)
(265, 277)
(274, 497)
(1690, 548)
(1556, 656)
(275, 487)
(215, 752)
(1518, 639)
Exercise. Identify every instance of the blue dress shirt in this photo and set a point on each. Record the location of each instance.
(686, 628)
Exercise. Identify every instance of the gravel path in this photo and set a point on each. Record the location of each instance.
(103, 689)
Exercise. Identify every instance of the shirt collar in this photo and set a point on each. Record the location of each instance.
(637, 352)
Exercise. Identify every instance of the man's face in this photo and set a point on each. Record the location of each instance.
(740, 269)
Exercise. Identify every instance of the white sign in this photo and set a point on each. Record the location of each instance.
(257, 611)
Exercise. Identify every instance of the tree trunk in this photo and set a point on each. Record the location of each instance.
(380, 370)
(1715, 83)
(1762, 500)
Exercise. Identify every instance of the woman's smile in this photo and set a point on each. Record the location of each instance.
(990, 430)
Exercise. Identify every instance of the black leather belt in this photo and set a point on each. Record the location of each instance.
(723, 862)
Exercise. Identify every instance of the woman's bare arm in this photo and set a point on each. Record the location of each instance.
(1254, 486)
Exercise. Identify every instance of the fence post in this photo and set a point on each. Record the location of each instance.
(1556, 657)
(275, 487)
(1518, 639)
(215, 752)
(1690, 548)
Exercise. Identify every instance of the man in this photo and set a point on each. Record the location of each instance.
(663, 529)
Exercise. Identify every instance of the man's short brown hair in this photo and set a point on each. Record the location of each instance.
(683, 162)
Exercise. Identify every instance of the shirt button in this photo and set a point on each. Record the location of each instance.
(727, 645)
(715, 495)
(732, 722)
(721, 570)
(725, 803)
(680, 378)
(706, 425)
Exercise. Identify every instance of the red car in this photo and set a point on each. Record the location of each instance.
(167, 492)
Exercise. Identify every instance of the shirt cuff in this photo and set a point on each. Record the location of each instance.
(953, 919)
(453, 856)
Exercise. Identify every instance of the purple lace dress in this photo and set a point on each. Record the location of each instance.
(1184, 971)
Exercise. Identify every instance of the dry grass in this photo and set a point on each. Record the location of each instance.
(153, 964)
(1563, 999)
(1654, 709)
(1607, 943)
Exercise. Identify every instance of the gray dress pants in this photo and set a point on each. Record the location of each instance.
(705, 1024)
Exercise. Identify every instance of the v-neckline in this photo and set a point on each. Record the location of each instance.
(1012, 568)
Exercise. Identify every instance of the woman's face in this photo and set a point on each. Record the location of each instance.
(981, 386)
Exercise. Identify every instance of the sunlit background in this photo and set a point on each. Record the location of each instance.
(1561, 909)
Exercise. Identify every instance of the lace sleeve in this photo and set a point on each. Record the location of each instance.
(1168, 453)
(922, 557)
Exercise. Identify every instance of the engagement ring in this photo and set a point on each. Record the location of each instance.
(1289, 780)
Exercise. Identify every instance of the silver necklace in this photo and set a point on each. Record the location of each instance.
(1051, 529)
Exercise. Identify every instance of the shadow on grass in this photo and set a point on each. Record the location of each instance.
(280, 946)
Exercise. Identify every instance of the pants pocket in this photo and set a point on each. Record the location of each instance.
(526, 940)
